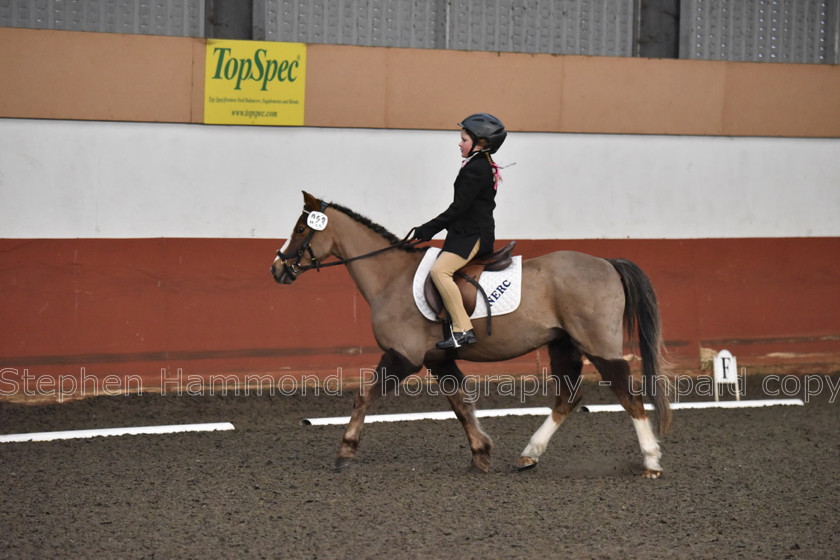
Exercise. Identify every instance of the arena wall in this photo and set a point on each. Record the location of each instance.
(113, 77)
(136, 241)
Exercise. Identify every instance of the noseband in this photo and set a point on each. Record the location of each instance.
(297, 267)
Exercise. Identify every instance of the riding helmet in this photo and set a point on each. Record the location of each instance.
(485, 125)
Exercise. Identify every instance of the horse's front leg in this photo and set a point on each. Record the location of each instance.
(451, 380)
(392, 369)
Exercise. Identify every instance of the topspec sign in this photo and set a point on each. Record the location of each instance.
(254, 82)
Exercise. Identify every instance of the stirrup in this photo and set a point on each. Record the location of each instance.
(456, 340)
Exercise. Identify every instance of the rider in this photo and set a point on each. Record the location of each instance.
(468, 220)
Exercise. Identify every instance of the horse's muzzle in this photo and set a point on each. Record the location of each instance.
(282, 272)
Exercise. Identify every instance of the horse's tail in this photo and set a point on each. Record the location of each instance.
(641, 311)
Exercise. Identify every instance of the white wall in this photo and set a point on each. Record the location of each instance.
(112, 180)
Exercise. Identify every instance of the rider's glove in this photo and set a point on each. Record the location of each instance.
(424, 232)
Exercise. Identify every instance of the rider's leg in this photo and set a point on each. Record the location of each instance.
(443, 269)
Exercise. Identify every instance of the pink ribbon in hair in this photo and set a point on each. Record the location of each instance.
(497, 175)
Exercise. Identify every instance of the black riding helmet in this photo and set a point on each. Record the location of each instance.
(485, 125)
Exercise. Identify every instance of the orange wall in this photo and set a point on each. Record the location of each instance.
(408, 88)
(100, 76)
(93, 76)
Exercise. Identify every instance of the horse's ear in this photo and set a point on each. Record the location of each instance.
(310, 202)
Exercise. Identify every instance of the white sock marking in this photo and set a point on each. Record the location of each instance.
(539, 441)
(648, 443)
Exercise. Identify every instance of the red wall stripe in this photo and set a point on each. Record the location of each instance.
(209, 306)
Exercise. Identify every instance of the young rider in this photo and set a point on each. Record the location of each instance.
(468, 220)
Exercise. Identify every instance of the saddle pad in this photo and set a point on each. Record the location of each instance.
(503, 288)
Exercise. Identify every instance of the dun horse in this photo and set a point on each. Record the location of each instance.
(575, 304)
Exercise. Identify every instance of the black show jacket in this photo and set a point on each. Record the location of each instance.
(470, 216)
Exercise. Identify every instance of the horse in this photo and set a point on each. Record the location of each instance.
(574, 304)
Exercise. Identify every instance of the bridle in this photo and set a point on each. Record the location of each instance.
(296, 267)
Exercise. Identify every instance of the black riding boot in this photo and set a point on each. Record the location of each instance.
(456, 340)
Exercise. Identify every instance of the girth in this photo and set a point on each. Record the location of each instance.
(466, 278)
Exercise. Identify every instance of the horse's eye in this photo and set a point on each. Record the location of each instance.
(300, 229)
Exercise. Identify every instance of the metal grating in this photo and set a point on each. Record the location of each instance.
(593, 27)
(404, 23)
(148, 17)
(590, 27)
(793, 31)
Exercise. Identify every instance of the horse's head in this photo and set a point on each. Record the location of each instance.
(308, 244)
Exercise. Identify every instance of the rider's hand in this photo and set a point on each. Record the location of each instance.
(424, 232)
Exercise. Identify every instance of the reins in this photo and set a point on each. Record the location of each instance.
(319, 223)
(405, 242)
(297, 266)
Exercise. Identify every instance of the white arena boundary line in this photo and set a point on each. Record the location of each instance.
(543, 411)
(757, 403)
(105, 432)
(439, 415)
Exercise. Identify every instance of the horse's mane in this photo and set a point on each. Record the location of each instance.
(367, 222)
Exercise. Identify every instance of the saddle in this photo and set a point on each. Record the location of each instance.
(466, 278)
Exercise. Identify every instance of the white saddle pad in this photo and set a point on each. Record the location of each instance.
(503, 288)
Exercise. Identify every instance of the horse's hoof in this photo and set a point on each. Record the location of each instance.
(525, 463)
(343, 462)
(476, 469)
(650, 473)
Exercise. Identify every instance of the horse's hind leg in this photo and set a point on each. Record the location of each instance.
(566, 365)
(617, 373)
(450, 381)
(392, 368)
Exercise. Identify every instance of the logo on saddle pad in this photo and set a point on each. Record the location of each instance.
(503, 289)
(500, 290)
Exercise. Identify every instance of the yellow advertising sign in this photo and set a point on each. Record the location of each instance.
(254, 82)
